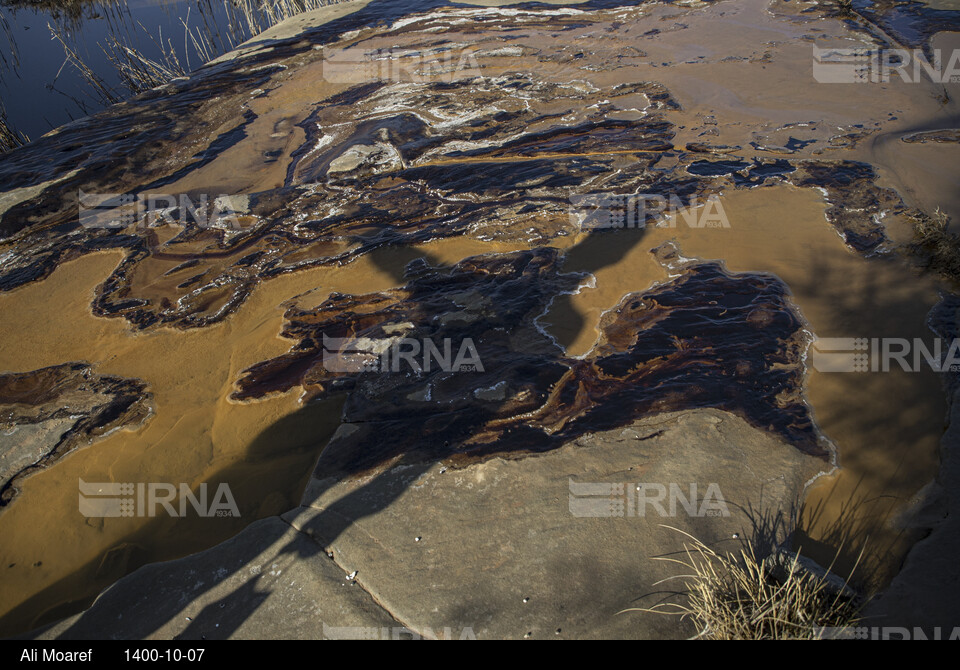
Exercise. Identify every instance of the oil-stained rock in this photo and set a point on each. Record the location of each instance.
(47, 413)
(706, 338)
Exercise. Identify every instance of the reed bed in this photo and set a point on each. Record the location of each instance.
(203, 40)
(139, 58)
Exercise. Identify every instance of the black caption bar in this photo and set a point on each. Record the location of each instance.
(97, 652)
(24, 654)
(184, 653)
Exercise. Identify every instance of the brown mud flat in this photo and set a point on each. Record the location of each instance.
(445, 207)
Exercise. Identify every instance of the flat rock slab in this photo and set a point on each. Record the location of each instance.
(268, 582)
(504, 550)
(543, 546)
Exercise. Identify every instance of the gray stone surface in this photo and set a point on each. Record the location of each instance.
(497, 533)
(23, 445)
(497, 549)
(268, 582)
(47, 413)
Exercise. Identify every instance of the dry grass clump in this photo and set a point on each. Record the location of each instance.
(139, 73)
(933, 242)
(740, 596)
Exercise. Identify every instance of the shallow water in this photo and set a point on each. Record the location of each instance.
(40, 93)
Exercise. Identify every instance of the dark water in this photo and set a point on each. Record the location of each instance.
(40, 93)
(911, 23)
